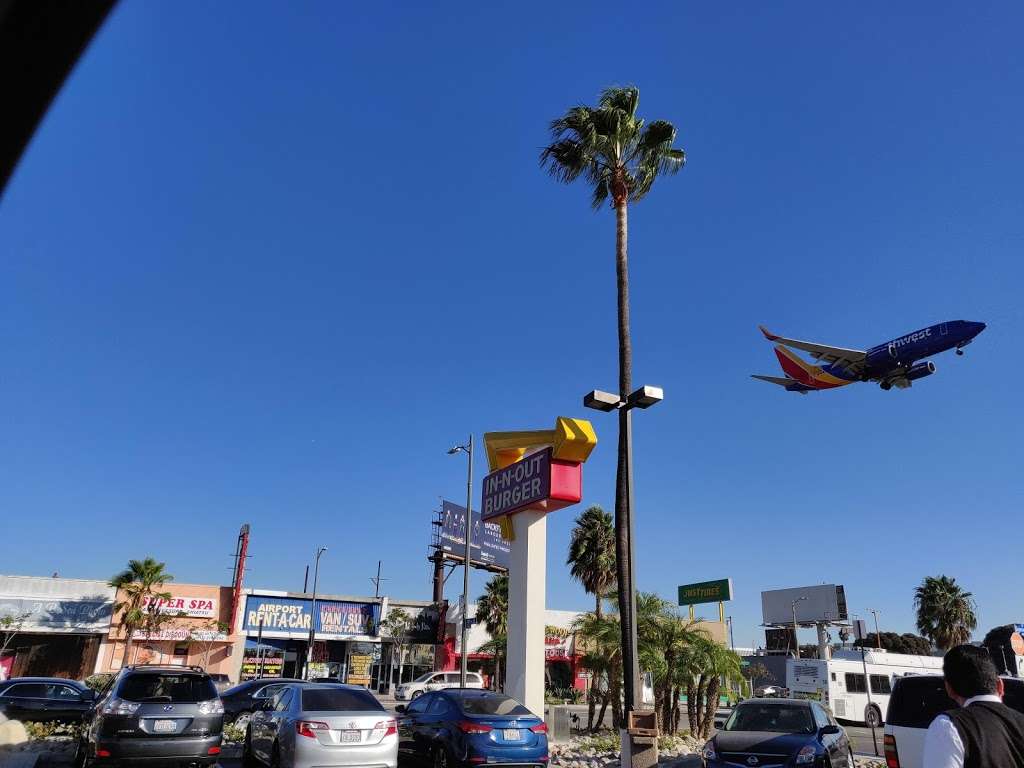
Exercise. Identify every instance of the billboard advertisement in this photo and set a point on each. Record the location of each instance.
(291, 616)
(822, 602)
(705, 592)
(487, 547)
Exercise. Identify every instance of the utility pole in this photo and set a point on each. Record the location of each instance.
(312, 612)
(305, 580)
(878, 636)
(377, 581)
(464, 661)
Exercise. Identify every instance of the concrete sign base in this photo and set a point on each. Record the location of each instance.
(527, 577)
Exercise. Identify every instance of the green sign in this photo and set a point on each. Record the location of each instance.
(705, 592)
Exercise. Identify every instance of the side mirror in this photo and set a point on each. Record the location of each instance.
(830, 730)
(400, 708)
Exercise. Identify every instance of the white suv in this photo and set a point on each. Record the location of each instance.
(435, 681)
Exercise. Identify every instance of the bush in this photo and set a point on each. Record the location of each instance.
(96, 682)
(563, 695)
(39, 731)
(234, 734)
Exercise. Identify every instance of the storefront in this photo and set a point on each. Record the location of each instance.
(55, 626)
(347, 643)
(413, 654)
(189, 628)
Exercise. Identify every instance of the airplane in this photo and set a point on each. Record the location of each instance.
(893, 363)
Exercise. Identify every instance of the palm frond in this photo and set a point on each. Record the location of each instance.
(626, 99)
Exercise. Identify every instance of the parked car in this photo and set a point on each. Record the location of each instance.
(436, 681)
(220, 681)
(154, 714)
(463, 726)
(45, 699)
(917, 700)
(251, 695)
(776, 732)
(318, 724)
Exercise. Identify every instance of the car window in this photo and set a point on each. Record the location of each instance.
(881, 684)
(338, 700)
(282, 700)
(420, 704)
(62, 692)
(439, 706)
(916, 701)
(268, 691)
(820, 718)
(1013, 694)
(27, 690)
(167, 687)
(780, 718)
(490, 704)
(453, 678)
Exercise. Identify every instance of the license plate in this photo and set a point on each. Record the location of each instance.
(510, 734)
(165, 726)
(347, 737)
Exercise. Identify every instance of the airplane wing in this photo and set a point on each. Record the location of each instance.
(783, 381)
(850, 359)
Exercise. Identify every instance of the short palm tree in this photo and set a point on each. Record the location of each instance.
(600, 639)
(140, 584)
(619, 156)
(945, 612)
(492, 612)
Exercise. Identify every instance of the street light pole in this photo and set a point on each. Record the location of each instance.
(464, 660)
(644, 397)
(312, 611)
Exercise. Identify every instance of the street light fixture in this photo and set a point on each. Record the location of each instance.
(796, 642)
(312, 617)
(643, 398)
(468, 450)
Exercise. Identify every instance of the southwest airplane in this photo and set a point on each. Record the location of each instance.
(895, 362)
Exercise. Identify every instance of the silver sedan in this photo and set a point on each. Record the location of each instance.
(323, 725)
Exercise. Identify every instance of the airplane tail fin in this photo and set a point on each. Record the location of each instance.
(796, 368)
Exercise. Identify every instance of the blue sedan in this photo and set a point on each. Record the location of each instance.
(463, 727)
(765, 733)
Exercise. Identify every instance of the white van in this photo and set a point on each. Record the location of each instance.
(435, 681)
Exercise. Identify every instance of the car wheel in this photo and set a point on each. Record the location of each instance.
(872, 717)
(440, 757)
(415, 695)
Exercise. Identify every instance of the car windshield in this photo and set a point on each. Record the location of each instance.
(424, 677)
(338, 700)
(491, 704)
(164, 687)
(779, 718)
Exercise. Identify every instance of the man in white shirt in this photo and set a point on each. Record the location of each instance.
(984, 732)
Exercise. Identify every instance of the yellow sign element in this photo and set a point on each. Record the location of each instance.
(570, 440)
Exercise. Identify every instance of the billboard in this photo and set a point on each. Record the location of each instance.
(291, 616)
(705, 592)
(780, 640)
(487, 547)
(822, 602)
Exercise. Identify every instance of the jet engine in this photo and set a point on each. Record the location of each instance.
(920, 370)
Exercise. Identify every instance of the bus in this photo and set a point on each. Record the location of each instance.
(840, 684)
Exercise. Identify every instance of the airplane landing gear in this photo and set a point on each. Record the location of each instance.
(885, 385)
(959, 351)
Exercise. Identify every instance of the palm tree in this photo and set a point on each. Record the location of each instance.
(600, 638)
(945, 612)
(592, 563)
(139, 583)
(492, 611)
(620, 157)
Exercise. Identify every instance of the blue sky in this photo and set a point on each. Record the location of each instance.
(265, 263)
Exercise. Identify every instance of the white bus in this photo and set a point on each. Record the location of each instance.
(841, 686)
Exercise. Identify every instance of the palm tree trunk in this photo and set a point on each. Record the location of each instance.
(622, 564)
(710, 706)
(592, 698)
(604, 709)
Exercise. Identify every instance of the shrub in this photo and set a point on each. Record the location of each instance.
(234, 734)
(38, 731)
(96, 682)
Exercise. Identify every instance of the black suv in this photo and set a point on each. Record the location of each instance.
(154, 714)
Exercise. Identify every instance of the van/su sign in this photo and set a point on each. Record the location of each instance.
(537, 481)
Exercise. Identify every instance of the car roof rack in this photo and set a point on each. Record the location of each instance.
(190, 667)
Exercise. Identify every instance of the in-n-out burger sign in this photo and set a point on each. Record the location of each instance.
(198, 607)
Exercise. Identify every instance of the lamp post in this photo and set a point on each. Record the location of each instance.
(312, 617)
(796, 642)
(644, 397)
(878, 637)
(468, 450)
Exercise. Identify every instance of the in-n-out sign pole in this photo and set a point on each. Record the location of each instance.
(532, 473)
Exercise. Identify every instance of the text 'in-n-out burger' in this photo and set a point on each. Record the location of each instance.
(199, 607)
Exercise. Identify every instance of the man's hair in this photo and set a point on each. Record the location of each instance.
(969, 671)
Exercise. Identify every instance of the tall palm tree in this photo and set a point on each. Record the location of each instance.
(140, 584)
(945, 612)
(620, 157)
(591, 562)
(591, 557)
(492, 611)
